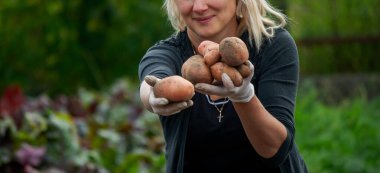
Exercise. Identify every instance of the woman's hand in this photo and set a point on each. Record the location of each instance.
(162, 106)
(243, 93)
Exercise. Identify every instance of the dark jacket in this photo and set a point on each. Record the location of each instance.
(275, 80)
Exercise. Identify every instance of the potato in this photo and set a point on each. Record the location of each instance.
(196, 71)
(233, 51)
(207, 45)
(210, 52)
(174, 88)
(211, 57)
(244, 69)
(219, 68)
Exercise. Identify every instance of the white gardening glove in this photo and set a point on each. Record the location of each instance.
(162, 106)
(243, 93)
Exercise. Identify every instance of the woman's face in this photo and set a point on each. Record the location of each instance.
(209, 19)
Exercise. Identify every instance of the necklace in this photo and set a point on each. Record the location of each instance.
(215, 104)
(220, 112)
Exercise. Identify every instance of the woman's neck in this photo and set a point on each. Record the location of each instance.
(215, 97)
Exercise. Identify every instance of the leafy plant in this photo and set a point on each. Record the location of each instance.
(105, 131)
(340, 137)
(108, 131)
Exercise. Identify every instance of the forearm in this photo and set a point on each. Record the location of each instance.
(265, 132)
(145, 90)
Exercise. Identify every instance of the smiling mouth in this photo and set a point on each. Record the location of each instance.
(203, 20)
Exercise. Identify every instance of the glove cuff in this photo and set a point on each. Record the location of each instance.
(246, 96)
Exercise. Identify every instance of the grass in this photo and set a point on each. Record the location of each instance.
(341, 137)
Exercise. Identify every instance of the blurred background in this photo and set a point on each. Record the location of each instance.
(68, 85)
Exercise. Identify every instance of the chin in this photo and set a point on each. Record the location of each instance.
(207, 34)
(204, 31)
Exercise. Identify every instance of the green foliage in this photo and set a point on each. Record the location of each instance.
(343, 36)
(57, 46)
(338, 138)
(105, 131)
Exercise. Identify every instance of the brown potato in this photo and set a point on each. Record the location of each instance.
(211, 57)
(219, 68)
(174, 88)
(233, 51)
(244, 69)
(196, 71)
(207, 46)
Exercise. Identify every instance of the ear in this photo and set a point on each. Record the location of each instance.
(239, 10)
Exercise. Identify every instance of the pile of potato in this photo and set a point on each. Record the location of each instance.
(230, 56)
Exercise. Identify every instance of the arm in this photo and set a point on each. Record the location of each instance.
(265, 132)
(159, 62)
(267, 118)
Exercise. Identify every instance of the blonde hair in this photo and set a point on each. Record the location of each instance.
(257, 16)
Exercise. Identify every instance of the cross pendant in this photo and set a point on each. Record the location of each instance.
(220, 116)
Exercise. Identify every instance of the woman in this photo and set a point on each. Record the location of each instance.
(225, 128)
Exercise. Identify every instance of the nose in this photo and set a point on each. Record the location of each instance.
(199, 6)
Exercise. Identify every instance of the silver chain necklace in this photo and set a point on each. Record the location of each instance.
(216, 104)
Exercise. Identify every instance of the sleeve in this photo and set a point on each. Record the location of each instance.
(277, 86)
(160, 61)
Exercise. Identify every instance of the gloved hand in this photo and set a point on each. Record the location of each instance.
(162, 106)
(243, 93)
